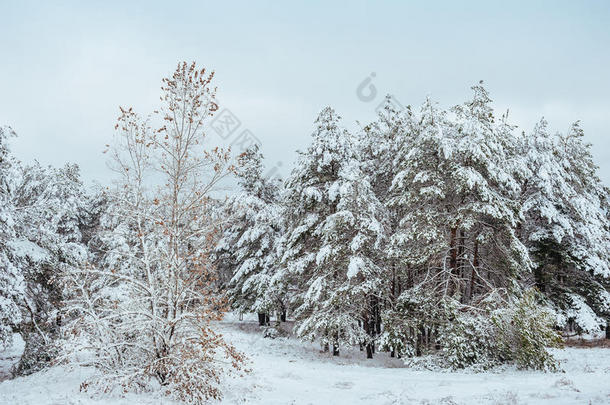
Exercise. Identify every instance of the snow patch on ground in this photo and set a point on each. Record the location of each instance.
(10, 357)
(287, 371)
(61, 386)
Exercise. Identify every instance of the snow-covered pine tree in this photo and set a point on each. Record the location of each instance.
(249, 241)
(566, 227)
(40, 219)
(381, 141)
(381, 145)
(420, 195)
(336, 227)
(453, 188)
(486, 211)
(12, 285)
(50, 209)
(458, 191)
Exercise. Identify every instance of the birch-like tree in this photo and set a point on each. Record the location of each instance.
(147, 309)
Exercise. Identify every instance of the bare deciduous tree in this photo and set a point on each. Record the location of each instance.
(146, 307)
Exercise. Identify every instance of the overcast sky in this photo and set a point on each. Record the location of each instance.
(65, 67)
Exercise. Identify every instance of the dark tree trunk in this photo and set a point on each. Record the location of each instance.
(369, 351)
(460, 255)
(460, 263)
(335, 348)
(377, 312)
(453, 254)
(475, 265)
(283, 316)
(263, 319)
(453, 251)
(367, 329)
(372, 324)
(393, 286)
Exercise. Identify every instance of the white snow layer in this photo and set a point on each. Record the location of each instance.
(355, 265)
(287, 371)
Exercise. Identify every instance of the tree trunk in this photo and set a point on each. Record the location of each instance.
(377, 318)
(372, 325)
(452, 261)
(336, 344)
(393, 286)
(460, 254)
(369, 351)
(377, 315)
(263, 319)
(283, 316)
(475, 265)
(453, 251)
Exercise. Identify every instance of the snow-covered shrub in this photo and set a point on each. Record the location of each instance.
(518, 331)
(524, 332)
(195, 372)
(577, 316)
(411, 327)
(38, 354)
(469, 340)
(497, 331)
(397, 336)
(422, 324)
(274, 332)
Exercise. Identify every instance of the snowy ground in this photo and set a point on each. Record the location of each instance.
(286, 371)
(10, 357)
